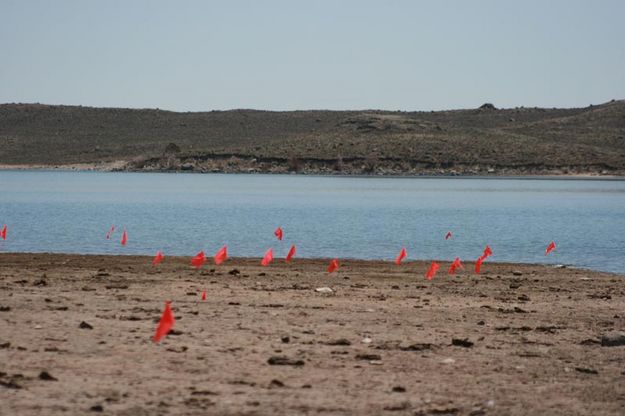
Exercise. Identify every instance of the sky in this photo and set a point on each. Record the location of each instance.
(325, 54)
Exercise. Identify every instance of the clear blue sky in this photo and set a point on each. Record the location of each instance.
(285, 55)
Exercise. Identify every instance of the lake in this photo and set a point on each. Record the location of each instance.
(345, 217)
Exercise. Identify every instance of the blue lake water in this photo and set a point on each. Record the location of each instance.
(345, 217)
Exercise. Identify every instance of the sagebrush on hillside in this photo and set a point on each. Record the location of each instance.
(486, 140)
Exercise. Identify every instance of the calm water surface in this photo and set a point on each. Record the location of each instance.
(368, 218)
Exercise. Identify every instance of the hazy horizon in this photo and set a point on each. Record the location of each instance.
(286, 56)
(296, 109)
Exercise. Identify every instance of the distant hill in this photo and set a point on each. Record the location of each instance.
(485, 140)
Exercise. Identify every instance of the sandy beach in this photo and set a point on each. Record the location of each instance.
(75, 338)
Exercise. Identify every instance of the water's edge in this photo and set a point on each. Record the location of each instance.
(322, 260)
(494, 176)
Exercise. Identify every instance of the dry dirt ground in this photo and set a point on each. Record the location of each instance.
(518, 339)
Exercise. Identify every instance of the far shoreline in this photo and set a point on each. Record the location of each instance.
(115, 167)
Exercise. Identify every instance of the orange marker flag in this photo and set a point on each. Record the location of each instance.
(203, 295)
(291, 253)
(109, 233)
(158, 258)
(550, 247)
(478, 264)
(455, 265)
(487, 252)
(124, 238)
(334, 265)
(267, 258)
(165, 324)
(278, 233)
(432, 270)
(198, 260)
(448, 235)
(221, 255)
(3, 232)
(402, 255)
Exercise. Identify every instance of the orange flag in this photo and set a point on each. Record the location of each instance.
(487, 252)
(158, 258)
(278, 233)
(267, 258)
(478, 264)
(455, 265)
(432, 270)
(402, 255)
(448, 235)
(550, 247)
(203, 295)
(292, 252)
(109, 233)
(165, 324)
(198, 260)
(3, 232)
(221, 255)
(124, 238)
(334, 265)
